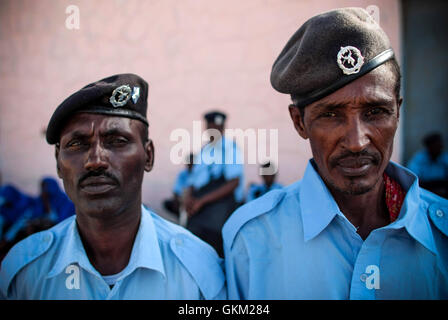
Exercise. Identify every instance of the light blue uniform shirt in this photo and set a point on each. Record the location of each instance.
(211, 163)
(260, 189)
(181, 182)
(295, 243)
(426, 169)
(167, 262)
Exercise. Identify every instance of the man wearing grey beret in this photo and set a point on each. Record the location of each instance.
(356, 226)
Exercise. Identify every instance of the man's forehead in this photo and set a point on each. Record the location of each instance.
(88, 122)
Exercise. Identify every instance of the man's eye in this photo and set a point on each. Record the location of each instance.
(118, 141)
(328, 114)
(375, 111)
(73, 144)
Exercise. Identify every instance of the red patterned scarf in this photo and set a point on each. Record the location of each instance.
(394, 196)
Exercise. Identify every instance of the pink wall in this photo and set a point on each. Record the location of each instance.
(195, 54)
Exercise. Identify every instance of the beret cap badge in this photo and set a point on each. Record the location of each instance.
(120, 96)
(350, 60)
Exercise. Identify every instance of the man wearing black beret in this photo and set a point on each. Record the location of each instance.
(114, 247)
(215, 185)
(356, 226)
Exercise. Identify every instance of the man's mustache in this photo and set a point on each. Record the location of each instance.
(98, 173)
(364, 155)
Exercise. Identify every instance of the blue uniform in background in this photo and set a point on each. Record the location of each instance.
(295, 243)
(257, 190)
(230, 165)
(426, 169)
(167, 262)
(181, 182)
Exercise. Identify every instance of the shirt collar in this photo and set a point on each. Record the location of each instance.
(145, 252)
(318, 206)
(415, 223)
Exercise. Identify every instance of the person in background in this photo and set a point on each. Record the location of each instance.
(50, 207)
(16, 208)
(216, 185)
(257, 190)
(431, 165)
(173, 204)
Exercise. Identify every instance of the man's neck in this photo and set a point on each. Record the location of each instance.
(109, 244)
(366, 212)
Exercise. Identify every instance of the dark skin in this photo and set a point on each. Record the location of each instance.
(194, 205)
(101, 160)
(362, 118)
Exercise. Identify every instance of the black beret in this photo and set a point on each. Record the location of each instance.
(327, 52)
(215, 117)
(123, 95)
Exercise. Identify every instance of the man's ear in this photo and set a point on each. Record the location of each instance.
(56, 155)
(149, 150)
(297, 119)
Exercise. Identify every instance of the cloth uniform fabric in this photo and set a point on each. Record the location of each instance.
(295, 243)
(167, 262)
(257, 190)
(181, 182)
(426, 169)
(223, 157)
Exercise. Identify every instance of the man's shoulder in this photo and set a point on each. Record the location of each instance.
(437, 210)
(196, 256)
(31, 251)
(252, 211)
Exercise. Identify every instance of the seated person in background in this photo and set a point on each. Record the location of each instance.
(50, 207)
(431, 165)
(173, 204)
(14, 207)
(257, 190)
(53, 204)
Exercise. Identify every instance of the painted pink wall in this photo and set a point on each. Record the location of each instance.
(195, 54)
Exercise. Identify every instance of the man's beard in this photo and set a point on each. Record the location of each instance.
(354, 188)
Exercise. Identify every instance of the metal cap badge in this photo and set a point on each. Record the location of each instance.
(350, 59)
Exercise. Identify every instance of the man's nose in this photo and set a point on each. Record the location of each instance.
(96, 158)
(356, 137)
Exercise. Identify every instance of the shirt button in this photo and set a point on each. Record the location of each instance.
(47, 238)
(179, 242)
(439, 213)
(363, 277)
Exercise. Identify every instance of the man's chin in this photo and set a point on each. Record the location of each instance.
(98, 209)
(355, 187)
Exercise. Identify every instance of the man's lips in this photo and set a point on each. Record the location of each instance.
(354, 166)
(97, 185)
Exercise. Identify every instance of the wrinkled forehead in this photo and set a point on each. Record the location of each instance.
(89, 123)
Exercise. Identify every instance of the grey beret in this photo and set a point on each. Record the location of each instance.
(123, 95)
(327, 52)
